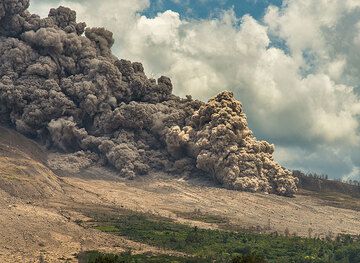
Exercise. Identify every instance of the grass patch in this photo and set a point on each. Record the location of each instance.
(108, 229)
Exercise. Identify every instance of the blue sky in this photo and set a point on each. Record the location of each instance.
(202, 9)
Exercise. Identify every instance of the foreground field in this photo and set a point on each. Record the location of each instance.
(207, 245)
(47, 217)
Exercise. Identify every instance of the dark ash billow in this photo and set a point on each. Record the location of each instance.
(60, 83)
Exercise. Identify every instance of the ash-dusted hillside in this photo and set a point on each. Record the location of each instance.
(60, 83)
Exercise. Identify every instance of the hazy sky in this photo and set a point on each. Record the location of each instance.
(295, 65)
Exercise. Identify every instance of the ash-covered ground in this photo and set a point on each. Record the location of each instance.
(61, 84)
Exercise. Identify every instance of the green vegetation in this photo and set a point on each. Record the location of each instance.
(97, 257)
(218, 245)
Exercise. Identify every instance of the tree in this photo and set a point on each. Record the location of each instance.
(249, 258)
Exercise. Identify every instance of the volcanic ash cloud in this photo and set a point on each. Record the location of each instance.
(61, 84)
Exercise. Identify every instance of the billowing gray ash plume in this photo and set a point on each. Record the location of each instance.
(60, 83)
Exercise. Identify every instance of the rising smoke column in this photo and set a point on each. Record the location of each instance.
(61, 84)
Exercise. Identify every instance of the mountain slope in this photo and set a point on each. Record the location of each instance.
(22, 169)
